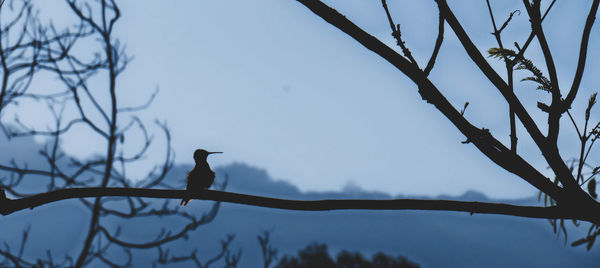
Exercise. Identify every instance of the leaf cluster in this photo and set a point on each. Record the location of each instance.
(522, 63)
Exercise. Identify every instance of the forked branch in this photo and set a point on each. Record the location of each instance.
(480, 137)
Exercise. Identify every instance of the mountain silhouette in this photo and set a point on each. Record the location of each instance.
(431, 239)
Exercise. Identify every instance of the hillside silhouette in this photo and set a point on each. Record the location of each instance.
(431, 239)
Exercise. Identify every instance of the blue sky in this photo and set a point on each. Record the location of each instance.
(273, 85)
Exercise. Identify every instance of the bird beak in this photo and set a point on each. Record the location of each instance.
(215, 152)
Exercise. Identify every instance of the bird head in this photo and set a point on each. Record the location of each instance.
(201, 154)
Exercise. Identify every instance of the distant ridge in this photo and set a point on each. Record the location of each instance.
(431, 239)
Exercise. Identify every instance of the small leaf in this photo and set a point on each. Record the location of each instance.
(501, 52)
(592, 188)
(591, 103)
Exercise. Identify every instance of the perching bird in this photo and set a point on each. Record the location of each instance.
(201, 177)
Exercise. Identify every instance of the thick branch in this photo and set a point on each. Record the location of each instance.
(582, 54)
(481, 138)
(8, 206)
(489, 72)
(549, 150)
(535, 18)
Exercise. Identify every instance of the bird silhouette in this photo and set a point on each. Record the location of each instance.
(199, 178)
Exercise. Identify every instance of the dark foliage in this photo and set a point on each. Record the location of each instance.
(317, 255)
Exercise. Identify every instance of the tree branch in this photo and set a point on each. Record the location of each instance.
(489, 72)
(438, 45)
(549, 151)
(398, 35)
(481, 138)
(582, 54)
(8, 206)
(509, 73)
(535, 18)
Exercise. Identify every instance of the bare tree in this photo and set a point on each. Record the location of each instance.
(24, 49)
(564, 193)
(76, 56)
(268, 251)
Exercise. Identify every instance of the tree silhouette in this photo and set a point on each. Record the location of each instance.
(569, 194)
(317, 255)
(269, 253)
(30, 50)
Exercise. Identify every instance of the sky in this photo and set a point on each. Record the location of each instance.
(274, 86)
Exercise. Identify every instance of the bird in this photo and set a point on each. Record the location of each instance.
(201, 177)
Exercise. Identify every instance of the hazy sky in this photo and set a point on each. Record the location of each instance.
(273, 85)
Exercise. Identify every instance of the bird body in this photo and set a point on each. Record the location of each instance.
(201, 177)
